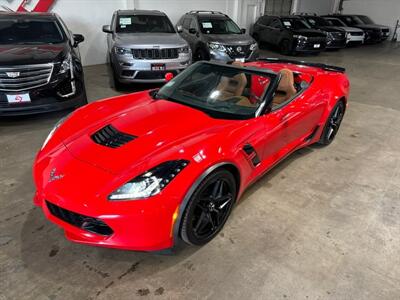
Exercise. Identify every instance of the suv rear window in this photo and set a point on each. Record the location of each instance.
(143, 23)
(25, 31)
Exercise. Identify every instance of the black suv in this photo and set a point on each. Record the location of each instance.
(214, 36)
(291, 34)
(336, 37)
(40, 67)
(373, 33)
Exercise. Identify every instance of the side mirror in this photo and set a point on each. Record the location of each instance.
(179, 28)
(168, 76)
(107, 29)
(78, 38)
(192, 31)
(243, 30)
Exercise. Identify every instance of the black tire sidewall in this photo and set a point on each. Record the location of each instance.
(324, 136)
(186, 232)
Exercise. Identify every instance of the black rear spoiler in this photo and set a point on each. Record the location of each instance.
(304, 63)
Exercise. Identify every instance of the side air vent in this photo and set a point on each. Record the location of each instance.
(252, 154)
(110, 137)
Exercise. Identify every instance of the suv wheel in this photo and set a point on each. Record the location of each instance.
(286, 47)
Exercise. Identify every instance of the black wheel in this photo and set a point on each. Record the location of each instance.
(209, 208)
(200, 54)
(332, 124)
(286, 47)
(256, 37)
(117, 84)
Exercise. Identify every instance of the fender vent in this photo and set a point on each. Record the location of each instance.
(110, 137)
(252, 154)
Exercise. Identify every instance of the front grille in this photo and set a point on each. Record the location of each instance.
(110, 137)
(338, 35)
(14, 79)
(356, 33)
(316, 39)
(167, 53)
(238, 51)
(81, 221)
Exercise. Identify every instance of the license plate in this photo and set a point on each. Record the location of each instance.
(18, 98)
(158, 67)
(317, 45)
(242, 59)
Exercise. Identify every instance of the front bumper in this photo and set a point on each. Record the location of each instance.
(45, 99)
(355, 38)
(373, 37)
(310, 46)
(225, 57)
(130, 70)
(336, 44)
(142, 225)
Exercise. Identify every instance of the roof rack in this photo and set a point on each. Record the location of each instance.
(304, 63)
(206, 11)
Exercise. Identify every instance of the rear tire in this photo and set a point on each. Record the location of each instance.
(209, 207)
(332, 124)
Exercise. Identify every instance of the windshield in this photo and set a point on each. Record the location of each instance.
(25, 31)
(218, 90)
(315, 22)
(142, 23)
(352, 20)
(366, 20)
(219, 26)
(335, 22)
(295, 23)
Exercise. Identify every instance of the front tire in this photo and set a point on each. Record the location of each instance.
(332, 124)
(209, 208)
(286, 48)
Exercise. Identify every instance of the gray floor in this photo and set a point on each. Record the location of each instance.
(324, 224)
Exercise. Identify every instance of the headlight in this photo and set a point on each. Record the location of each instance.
(150, 183)
(122, 51)
(253, 46)
(184, 50)
(66, 65)
(58, 124)
(217, 47)
(300, 37)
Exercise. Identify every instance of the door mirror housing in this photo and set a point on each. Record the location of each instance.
(192, 31)
(78, 38)
(179, 28)
(107, 29)
(243, 30)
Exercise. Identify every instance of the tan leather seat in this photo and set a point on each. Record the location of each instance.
(286, 89)
(231, 87)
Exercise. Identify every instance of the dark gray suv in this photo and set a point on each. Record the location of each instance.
(214, 36)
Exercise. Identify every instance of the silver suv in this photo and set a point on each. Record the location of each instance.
(213, 35)
(143, 46)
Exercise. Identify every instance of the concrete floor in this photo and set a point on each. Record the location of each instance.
(324, 224)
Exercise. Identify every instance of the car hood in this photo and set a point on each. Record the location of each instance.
(148, 39)
(352, 29)
(230, 39)
(161, 128)
(367, 26)
(309, 32)
(31, 54)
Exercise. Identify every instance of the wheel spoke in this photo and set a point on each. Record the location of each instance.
(218, 189)
(201, 222)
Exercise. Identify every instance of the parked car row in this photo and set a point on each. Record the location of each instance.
(311, 33)
(41, 70)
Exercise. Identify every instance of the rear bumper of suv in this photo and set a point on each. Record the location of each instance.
(130, 70)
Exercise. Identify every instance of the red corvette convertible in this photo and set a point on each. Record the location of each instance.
(146, 170)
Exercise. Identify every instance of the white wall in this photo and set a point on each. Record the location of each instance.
(314, 6)
(384, 12)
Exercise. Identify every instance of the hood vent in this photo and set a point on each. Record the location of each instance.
(110, 137)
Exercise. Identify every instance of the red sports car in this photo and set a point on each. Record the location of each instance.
(146, 170)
